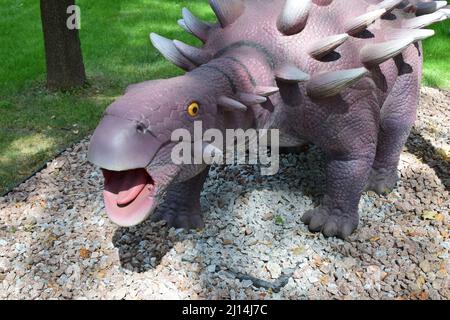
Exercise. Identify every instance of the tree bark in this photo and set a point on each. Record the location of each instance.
(65, 68)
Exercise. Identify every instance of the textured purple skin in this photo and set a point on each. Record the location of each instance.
(361, 131)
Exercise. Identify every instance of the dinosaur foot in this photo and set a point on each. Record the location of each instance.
(331, 222)
(178, 220)
(382, 181)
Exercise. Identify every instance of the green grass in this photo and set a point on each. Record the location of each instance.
(36, 124)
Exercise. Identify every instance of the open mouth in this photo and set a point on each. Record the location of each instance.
(129, 196)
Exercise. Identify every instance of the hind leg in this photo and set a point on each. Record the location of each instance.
(181, 207)
(398, 115)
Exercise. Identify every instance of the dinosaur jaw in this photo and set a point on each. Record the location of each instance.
(130, 196)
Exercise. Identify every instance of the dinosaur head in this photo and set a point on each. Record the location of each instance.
(133, 146)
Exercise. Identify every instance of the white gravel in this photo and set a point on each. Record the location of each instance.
(56, 241)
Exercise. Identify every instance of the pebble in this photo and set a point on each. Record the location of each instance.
(274, 269)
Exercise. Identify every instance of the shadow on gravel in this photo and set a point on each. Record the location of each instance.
(424, 150)
(143, 247)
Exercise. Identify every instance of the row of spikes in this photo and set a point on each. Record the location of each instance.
(293, 16)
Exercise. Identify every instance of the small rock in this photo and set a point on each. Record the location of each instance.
(425, 266)
(274, 269)
(211, 268)
(268, 216)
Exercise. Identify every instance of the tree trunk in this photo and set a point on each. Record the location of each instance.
(65, 68)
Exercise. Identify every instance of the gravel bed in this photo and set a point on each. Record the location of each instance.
(56, 241)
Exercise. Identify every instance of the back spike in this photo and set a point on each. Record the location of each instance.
(423, 8)
(170, 52)
(266, 91)
(197, 27)
(227, 11)
(196, 55)
(291, 74)
(329, 84)
(375, 54)
(426, 20)
(326, 45)
(250, 99)
(416, 34)
(294, 16)
(389, 5)
(359, 24)
(183, 25)
(230, 104)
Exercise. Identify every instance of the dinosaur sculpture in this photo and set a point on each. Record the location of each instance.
(342, 74)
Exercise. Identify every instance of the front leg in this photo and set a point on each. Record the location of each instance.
(181, 206)
(338, 213)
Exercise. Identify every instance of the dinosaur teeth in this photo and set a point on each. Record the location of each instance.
(359, 24)
(416, 34)
(291, 74)
(250, 99)
(266, 91)
(294, 16)
(375, 54)
(426, 20)
(324, 46)
(329, 84)
(193, 54)
(230, 104)
(423, 8)
(183, 25)
(197, 27)
(389, 5)
(227, 11)
(170, 52)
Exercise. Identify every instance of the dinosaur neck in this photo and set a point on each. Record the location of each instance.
(239, 70)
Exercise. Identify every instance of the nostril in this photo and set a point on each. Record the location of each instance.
(141, 128)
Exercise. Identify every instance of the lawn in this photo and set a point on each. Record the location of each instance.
(36, 124)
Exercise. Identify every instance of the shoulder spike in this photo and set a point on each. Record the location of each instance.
(291, 74)
(329, 84)
(417, 34)
(197, 27)
(183, 25)
(423, 8)
(294, 16)
(196, 55)
(170, 52)
(359, 24)
(389, 5)
(375, 54)
(266, 91)
(227, 11)
(324, 46)
(250, 99)
(426, 20)
(230, 104)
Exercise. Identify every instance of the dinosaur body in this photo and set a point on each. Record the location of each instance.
(341, 74)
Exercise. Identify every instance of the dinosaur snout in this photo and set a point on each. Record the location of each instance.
(120, 144)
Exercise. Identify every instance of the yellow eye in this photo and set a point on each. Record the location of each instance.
(193, 109)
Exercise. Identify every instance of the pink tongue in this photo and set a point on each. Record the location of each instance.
(127, 196)
(126, 185)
